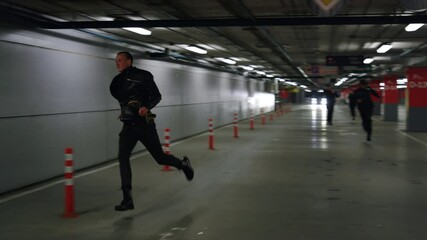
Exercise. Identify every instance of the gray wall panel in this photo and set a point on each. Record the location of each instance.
(54, 93)
(40, 81)
(33, 147)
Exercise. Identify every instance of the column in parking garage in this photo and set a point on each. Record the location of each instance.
(390, 98)
(284, 95)
(301, 96)
(416, 99)
(375, 84)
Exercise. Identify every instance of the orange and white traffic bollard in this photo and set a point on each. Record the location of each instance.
(236, 126)
(262, 117)
(69, 185)
(167, 168)
(271, 116)
(211, 134)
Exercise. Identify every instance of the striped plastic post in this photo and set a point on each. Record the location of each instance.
(211, 134)
(271, 116)
(69, 185)
(167, 168)
(236, 126)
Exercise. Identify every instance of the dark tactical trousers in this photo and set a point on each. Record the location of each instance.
(146, 133)
(366, 115)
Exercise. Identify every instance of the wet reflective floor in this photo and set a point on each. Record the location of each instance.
(292, 178)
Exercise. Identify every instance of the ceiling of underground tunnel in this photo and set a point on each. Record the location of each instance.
(293, 45)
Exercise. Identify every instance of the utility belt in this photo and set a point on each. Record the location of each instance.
(129, 114)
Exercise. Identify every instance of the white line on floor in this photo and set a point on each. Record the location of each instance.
(412, 137)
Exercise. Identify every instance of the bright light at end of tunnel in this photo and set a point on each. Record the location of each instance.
(323, 101)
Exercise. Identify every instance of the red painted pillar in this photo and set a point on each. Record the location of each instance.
(375, 85)
(390, 98)
(416, 96)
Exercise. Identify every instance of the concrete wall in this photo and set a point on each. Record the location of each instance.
(54, 93)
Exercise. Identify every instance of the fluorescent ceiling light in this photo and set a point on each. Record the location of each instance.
(104, 18)
(302, 72)
(303, 86)
(135, 18)
(371, 45)
(229, 61)
(247, 68)
(226, 60)
(240, 59)
(138, 30)
(341, 81)
(205, 46)
(196, 49)
(368, 60)
(236, 59)
(384, 48)
(202, 61)
(256, 66)
(413, 27)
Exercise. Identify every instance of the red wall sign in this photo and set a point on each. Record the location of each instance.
(417, 86)
(391, 94)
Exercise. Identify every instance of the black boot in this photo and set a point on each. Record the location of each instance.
(127, 203)
(187, 169)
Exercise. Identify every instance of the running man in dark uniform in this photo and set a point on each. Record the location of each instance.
(365, 105)
(137, 94)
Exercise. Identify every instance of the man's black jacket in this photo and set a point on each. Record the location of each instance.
(135, 88)
(363, 97)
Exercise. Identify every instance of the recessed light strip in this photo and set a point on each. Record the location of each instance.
(138, 30)
(196, 49)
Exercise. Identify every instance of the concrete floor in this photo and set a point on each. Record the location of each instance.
(293, 178)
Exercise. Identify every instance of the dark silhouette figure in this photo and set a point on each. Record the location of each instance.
(365, 105)
(331, 96)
